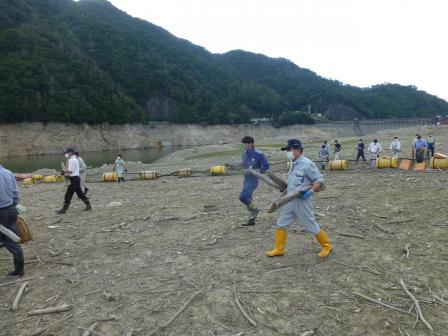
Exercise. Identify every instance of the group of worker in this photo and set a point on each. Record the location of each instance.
(419, 148)
(303, 177)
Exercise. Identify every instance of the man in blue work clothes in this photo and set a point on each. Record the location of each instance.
(420, 148)
(303, 176)
(252, 159)
(9, 198)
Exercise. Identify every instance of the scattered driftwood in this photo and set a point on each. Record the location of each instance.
(186, 304)
(440, 300)
(382, 303)
(399, 221)
(88, 331)
(407, 249)
(17, 281)
(42, 330)
(365, 268)
(240, 307)
(379, 227)
(51, 310)
(308, 333)
(416, 305)
(128, 332)
(15, 304)
(92, 331)
(345, 234)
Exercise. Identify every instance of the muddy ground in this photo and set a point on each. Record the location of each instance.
(134, 265)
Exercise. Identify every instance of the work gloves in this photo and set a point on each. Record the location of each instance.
(306, 194)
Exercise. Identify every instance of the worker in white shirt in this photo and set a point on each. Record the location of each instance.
(395, 147)
(72, 172)
(374, 152)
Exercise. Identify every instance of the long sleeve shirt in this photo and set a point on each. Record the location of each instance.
(73, 166)
(255, 159)
(395, 146)
(421, 144)
(303, 173)
(9, 193)
(375, 148)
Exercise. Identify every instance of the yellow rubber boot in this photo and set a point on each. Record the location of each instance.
(280, 243)
(324, 241)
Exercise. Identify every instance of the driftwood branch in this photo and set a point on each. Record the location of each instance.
(50, 310)
(281, 201)
(42, 330)
(87, 332)
(416, 305)
(345, 234)
(8, 233)
(365, 297)
(17, 281)
(407, 249)
(263, 178)
(240, 307)
(15, 304)
(128, 332)
(186, 304)
(277, 180)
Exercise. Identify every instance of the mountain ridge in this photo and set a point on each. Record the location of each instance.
(88, 61)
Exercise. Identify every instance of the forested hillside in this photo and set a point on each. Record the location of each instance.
(89, 62)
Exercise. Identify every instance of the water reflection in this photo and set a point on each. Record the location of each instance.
(92, 159)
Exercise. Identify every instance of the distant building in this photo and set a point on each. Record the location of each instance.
(258, 121)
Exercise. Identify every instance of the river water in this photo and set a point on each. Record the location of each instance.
(92, 159)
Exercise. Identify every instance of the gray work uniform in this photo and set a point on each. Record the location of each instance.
(303, 173)
(82, 173)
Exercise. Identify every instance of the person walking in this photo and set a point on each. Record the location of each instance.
(72, 172)
(252, 158)
(323, 156)
(374, 152)
(120, 168)
(337, 150)
(82, 173)
(431, 141)
(303, 176)
(395, 147)
(420, 148)
(413, 146)
(360, 149)
(9, 199)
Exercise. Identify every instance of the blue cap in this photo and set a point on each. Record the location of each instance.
(69, 150)
(292, 143)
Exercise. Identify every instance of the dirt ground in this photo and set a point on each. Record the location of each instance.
(177, 243)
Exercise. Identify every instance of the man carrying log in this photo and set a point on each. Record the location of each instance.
(9, 198)
(252, 159)
(304, 179)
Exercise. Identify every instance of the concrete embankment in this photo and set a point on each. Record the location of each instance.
(37, 138)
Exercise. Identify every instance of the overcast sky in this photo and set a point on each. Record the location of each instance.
(359, 42)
